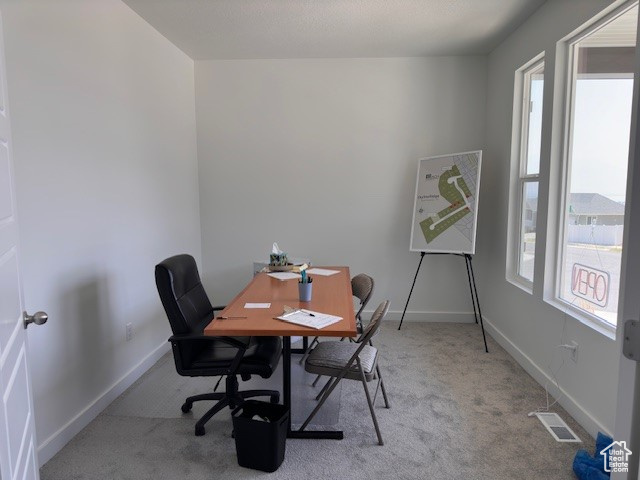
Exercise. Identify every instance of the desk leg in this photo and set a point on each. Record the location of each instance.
(286, 401)
(286, 378)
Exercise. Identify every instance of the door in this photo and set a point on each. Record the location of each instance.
(627, 427)
(17, 433)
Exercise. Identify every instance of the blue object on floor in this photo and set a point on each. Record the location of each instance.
(602, 442)
(584, 466)
(596, 474)
(587, 467)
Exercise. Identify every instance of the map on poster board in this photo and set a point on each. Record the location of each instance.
(445, 206)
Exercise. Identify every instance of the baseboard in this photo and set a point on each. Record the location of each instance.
(55, 443)
(583, 417)
(424, 316)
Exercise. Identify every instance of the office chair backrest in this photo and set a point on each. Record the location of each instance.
(362, 288)
(182, 294)
(374, 324)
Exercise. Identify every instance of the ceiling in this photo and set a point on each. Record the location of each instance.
(234, 29)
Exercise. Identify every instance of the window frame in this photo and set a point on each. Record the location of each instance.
(519, 176)
(554, 264)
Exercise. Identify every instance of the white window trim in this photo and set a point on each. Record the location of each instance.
(519, 177)
(557, 201)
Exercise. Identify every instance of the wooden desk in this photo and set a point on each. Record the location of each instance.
(331, 295)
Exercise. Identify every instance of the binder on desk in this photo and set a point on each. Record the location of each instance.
(309, 318)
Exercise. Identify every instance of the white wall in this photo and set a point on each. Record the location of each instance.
(528, 327)
(321, 156)
(103, 123)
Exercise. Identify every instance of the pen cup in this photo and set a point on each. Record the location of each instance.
(304, 291)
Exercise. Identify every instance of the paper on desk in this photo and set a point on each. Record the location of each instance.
(284, 275)
(257, 305)
(309, 318)
(322, 271)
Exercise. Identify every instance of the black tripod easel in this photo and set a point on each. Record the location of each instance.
(472, 288)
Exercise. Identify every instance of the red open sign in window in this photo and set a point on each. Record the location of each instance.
(590, 284)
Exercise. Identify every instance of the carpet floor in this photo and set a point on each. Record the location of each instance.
(456, 413)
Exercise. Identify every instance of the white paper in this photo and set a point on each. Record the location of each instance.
(284, 275)
(322, 271)
(309, 318)
(257, 305)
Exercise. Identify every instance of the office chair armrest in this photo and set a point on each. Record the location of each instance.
(190, 337)
(234, 342)
(241, 346)
(219, 307)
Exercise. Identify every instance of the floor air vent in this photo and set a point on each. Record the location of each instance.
(557, 428)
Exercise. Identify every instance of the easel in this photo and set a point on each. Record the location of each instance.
(472, 288)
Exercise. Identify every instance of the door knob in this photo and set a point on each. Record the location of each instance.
(38, 318)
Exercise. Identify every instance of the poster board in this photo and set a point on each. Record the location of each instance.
(445, 207)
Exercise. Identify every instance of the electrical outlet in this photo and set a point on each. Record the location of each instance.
(573, 353)
(129, 328)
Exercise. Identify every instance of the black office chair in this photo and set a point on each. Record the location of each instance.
(196, 355)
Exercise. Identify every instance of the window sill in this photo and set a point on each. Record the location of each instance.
(521, 283)
(590, 321)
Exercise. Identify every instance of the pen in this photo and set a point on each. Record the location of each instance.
(225, 318)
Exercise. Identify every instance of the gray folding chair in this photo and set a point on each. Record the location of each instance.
(362, 288)
(353, 361)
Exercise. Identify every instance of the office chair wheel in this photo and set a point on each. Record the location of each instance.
(199, 431)
(186, 407)
(274, 398)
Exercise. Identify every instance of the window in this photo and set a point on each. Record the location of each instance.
(596, 148)
(527, 128)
